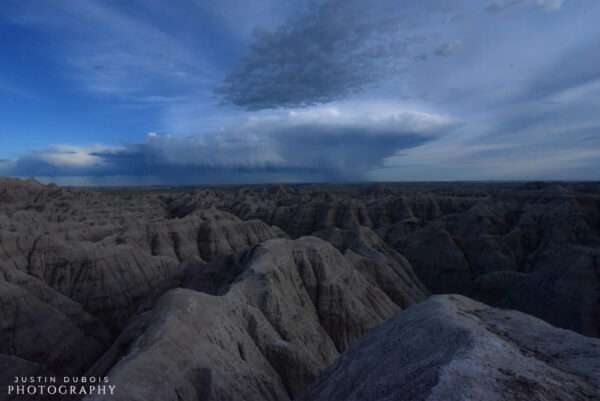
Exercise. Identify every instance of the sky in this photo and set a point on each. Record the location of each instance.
(106, 92)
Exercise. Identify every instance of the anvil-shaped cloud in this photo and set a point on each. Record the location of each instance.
(340, 141)
(301, 90)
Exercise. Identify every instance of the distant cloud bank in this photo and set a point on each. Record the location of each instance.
(300, 90)
(323, 143)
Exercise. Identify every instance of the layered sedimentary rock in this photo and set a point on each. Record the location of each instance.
(76, 266)
(453, 348)
(252, 292)
(378, 262)
(44, 328)
(534, 247)
(446, 348)
(280, 314)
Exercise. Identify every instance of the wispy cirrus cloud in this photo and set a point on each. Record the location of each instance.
(12, 90)
(118, 54)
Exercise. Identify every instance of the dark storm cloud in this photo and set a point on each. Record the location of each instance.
(316, 144)
(338, 48)
(141, 164)
(325, 95)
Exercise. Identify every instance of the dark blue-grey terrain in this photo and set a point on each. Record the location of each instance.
(305, 292)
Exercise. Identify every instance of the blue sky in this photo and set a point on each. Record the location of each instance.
(103, 92)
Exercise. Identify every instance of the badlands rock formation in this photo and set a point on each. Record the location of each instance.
(252, 292)
(77, 266)
(532, 247)
(285, 314)
(453, 348)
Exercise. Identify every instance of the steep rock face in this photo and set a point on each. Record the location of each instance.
(196, 346)
(75, 265)
(286, 310)
(441, 263)
(44, 330)
(378, 262)
(521, 246)
(105, 253)
(14, 190)
(537, 253)
(320, 281)
(202, 234)
(453, 348)
(565, 295)
(304, 210)
(108, 280)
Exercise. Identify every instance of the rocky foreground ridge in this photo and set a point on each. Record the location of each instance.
(305, 292)
(453, 348)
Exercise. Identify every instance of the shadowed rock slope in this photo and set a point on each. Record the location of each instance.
(533, 247)
(76, 266)
(287, 309)
(453, 348)
(252, 292)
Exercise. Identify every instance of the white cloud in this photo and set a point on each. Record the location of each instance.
(69, 156)
(376, 117)
(270, 137)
